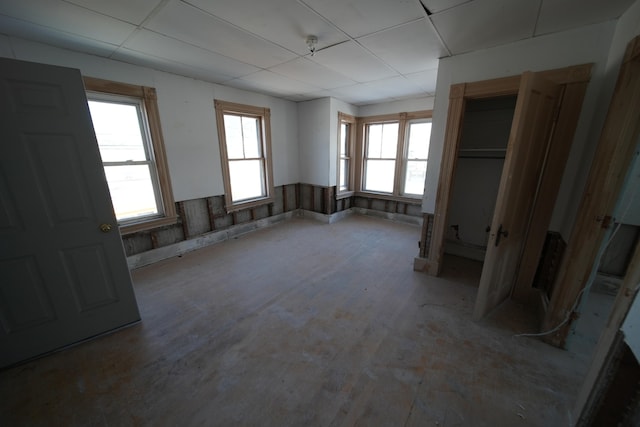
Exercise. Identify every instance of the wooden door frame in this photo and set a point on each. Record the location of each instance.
(618, 140)
(574, 79)
(596, 381)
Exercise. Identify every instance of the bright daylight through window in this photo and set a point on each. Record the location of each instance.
(346, 139)
(417, 155)
(245, 147)
(123, 142)
(127, 126)
(395, 154)
(380, 157)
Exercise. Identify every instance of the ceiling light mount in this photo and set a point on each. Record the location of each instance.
(312, 42)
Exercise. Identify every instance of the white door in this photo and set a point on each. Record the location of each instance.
(63, 272)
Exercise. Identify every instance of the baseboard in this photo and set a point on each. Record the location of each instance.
(395, 217)
(204, 240)
(207, 239)
(464, 250)
(324, 218)
(421, 264)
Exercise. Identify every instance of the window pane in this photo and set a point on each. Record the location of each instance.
(131, 191)
(344, 129)
(419, 135)
(251, 134)
(247, 179)
(117, 128)
(379, 175)
(414, 179)
(344, 174)
(389, 140)
(374, 141)
(233, 134)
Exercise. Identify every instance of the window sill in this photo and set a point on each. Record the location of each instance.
(248, 204)
(146, 225)
(344, 194)
(403, 199)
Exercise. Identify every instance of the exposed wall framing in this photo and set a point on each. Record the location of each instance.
(198, 217)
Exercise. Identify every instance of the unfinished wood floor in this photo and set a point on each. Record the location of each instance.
(303, 324)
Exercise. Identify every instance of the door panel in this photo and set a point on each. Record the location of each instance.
(63, 279)
(65, 196)
(25, 301)
(532, 126)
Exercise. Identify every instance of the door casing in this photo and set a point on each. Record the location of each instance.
(574, 82)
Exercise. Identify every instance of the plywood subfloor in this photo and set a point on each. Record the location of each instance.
(303, 324)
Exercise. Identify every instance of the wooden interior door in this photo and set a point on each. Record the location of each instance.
(63, 272)
(528, 141)
(614, 153)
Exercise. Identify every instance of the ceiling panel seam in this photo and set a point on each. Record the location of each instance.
(236, 26)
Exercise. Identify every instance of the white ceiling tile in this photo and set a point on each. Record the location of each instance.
(266, 81)
(184, 22)
(312, 73)
(360, 17)
(68, 18)
(319, 94)
(284, 22)
(42, 34)
(439, 5)
(486, 23)
(408, 48)
(426, 80)
(162, 64)
(567, 14)
(356, 94)
(394, 87)
(161, 46)
(133, 11)
(352, 60)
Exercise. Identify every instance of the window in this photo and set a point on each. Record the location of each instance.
(346, 139)
(394, 154)
(244, 134)
(127, 126)
(418, 136)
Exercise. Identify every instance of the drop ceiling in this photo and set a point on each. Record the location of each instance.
(368, 51)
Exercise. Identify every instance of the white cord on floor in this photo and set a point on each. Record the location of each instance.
(596, 262)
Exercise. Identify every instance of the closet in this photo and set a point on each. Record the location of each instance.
(540, 131)
(480, 160)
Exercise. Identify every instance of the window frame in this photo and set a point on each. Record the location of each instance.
(403, 119)
(351, 121)
(264, 116)
(147, 97)
(406, 159)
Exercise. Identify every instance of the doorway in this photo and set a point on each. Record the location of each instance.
(483, 146)
(531, 171)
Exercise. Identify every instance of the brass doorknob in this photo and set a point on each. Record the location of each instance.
(105, 228)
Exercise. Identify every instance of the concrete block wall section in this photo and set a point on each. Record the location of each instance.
(201, 216)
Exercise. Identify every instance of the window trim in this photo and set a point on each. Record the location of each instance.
(149, 99)
(264, 114)
(406, 159)
(403, 119)
(351, 155)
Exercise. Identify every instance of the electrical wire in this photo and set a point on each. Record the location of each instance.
(596, 262)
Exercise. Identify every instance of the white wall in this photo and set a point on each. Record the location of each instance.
(401, 106)
(314, 136)
(187, 115)
(585, 45)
